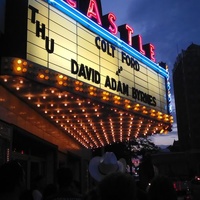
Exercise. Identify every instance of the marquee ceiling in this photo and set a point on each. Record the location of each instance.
(91, 116)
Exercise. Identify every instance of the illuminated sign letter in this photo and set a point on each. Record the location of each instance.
(126, 33)
(149, 49)
(113, 27)
(109, 23)
(72, 3)
(152, 53)
(93, 12)
(137, 44)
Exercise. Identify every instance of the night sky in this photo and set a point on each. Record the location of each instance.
(170, 25)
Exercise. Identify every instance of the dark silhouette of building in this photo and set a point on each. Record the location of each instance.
(186, 77)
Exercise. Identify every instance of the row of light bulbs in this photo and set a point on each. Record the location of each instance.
(89, 127)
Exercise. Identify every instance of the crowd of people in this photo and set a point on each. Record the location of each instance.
(112, 182)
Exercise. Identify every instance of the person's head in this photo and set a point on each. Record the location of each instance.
(12, 178)
(161, 188)
(118, 186)
(101, 166)
(64, 177)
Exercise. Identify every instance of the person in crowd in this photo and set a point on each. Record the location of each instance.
(161, 188)
(12, 181)
(38, 187)
(147, 171)
(146, 174)
(117, 186)
(92, 194)
(65, 191)
(195, 188)
(49, 191)
(101, 166)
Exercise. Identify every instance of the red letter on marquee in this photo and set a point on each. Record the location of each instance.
(152, 53)
(149, 49)
(130, 32)
(72, 3)
(126, 33)
(141, 50)
(93, 11)
(137, 43)
(113, 27)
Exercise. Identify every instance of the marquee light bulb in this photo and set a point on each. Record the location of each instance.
(19, 61)
(19, 68)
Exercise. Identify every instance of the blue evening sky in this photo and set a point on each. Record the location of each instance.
(171, 25)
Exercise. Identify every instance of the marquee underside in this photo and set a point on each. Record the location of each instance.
(91, 116)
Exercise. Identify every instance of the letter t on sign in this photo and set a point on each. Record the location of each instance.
(126, 33)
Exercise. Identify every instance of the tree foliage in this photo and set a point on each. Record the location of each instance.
(140, 146)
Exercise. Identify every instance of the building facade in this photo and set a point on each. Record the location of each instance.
(69, 85)
(187, 96)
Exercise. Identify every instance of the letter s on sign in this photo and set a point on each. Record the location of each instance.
(113, 27)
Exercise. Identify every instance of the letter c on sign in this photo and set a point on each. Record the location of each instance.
(97, 40)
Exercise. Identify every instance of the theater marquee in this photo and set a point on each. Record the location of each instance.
(63, 39)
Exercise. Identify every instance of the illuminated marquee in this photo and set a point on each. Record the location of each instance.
(63, 39)
(91, 9)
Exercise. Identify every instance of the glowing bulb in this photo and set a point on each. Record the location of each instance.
(19, 68)
(19, 61)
